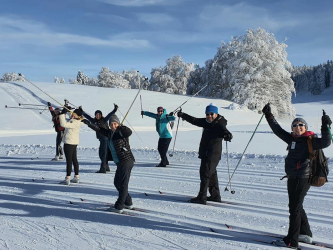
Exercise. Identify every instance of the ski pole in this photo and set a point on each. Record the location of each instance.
(190, 98)
(329, 129)
(244, 152)
(132, 104)
(46, 108)
(226, 189)
(26, 104)
(174, 143)
(131, 127)
(141, 104)
(46, 94)
(22, 108)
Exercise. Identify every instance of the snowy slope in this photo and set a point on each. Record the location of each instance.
(36, 212)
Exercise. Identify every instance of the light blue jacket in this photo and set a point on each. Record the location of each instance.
(162, 123)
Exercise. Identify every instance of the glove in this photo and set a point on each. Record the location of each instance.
(64, 111)
(116, 107)
(326, 120)
(267, 109)
(180, 114)
(171, 114)
(85, 121)
(228, 137)
(49, 104)
(141, 112)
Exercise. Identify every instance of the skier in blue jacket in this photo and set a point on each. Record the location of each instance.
(163, 129)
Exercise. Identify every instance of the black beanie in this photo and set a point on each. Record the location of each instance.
(78, 112)
(98, 112)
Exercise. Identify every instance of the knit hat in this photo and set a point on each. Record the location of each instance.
(211, 108)
(78, 112)
(296, 120)
(114, 118)
(98, 112)
(159, 108)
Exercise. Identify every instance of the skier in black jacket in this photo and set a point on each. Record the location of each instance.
(214, 131)
(122, 156)
(298, 172)
(102, 122)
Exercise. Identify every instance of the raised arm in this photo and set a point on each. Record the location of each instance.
(199, 122)
(325, 139)
(111, 113)
(65, 124)
(275, 126)
(98, 129)
(150, 114)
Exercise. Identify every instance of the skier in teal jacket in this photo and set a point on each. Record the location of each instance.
(164, 130)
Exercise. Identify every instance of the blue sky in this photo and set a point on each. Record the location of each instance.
(47, 38)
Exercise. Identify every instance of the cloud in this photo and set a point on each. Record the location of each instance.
(140, 3)
(242, 16)
(158, 19)
(20, 31)
(173, 37)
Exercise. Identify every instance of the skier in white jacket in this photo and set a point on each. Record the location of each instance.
(71, 140)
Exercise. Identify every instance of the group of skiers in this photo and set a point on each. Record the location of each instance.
(114, 145)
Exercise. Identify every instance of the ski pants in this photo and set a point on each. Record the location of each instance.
(71, 157)
(163, 146)
(208, 179)
(298, 221)
(121, 180)
(103, 155)
(60, 134)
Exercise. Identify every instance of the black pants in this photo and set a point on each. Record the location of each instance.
(163, 146)
(121, 180)
(298, 221)
(103, 155)
(208, 179)
(71, 157)
(60, 134)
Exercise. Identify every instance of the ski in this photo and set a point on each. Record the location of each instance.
(277, 236)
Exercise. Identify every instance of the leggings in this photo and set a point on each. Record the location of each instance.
(71, 157)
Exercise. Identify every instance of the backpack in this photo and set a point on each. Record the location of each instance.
(171, 123)
(318, 164)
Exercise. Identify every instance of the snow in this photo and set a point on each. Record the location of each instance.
(36, 212)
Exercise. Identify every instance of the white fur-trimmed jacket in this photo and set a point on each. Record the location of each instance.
(72, 129)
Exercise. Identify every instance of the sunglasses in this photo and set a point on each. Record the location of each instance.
(209, 114)
(300, 125)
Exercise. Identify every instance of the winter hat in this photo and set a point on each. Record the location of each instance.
(299, 120)
(211, 108)
(159, 108)
(114, 118)
(98, 112)
(78, 112)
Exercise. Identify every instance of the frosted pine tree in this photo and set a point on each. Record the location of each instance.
(56, 80)
(62, 80)
(80, 77)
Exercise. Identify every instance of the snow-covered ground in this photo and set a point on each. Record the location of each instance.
(38, 213)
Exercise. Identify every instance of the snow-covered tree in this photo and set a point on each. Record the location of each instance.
(20, 78)
(172, 78)
(62, 80)
(80, 77)
(10, 76)
(56, 80)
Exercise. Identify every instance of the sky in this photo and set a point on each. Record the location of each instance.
(43, 39)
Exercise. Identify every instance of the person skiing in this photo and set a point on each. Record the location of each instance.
(298, 172)
(60, 132)
(164, 131)
(122, 156)
(214, 131)
(71, 140)
(101, 121)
